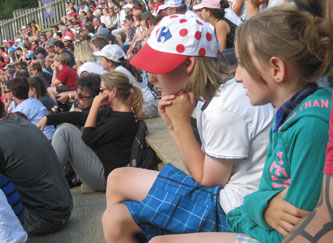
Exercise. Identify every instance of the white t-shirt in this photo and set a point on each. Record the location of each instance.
(91, 67)
(11, 230)
(232, 129)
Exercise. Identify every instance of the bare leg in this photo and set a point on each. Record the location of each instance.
(124, 184)
(118, 225)
(318, 225)
(52, 92)
(129, 184)
(211, 237)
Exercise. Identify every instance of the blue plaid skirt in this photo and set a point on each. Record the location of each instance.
(177, 204)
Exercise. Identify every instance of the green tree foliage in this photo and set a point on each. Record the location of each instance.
(8, 6)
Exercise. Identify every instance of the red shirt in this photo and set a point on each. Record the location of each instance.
(328, 170)
(67, 76)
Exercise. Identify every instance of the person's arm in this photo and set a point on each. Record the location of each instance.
(204, 169)
(237, 8)
(252, 6)
(55, 81)
(281, 215)
(222, 30)
(75, 118)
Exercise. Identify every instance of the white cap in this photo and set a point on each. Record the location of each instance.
(112, 52)
(67, 38)
(4, 41)
(128, 6)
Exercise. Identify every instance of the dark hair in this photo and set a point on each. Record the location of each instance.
(19, 88)
(2, 59)
(58, 34)
(129, 17)
(22, 65)
(22, 73)
(59, 43)
(2, 109)
(91, 82)
(39, 84)
(133, 70)
(219, 13)
(36, 66)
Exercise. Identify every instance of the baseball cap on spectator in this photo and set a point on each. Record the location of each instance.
(111, 52)
(18, 40)
(4, 41)
(174, 3)
(105, 32)
(174, 39)
(67, 38)
(159, 7)
(128, 6)
(23, 27)
(215, 4)
(11, 41)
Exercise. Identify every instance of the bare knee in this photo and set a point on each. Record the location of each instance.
(115, 186)
(118, 225)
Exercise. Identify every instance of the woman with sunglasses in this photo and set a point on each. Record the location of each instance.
(105, 140)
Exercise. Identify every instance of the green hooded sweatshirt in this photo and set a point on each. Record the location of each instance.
(295, 160)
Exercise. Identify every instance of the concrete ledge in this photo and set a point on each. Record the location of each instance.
(160, 140)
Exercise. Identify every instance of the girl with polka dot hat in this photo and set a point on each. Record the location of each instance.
(181, 55)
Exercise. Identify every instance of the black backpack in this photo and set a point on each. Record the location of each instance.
(142, 156)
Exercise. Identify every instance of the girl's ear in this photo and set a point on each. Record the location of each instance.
(189, 64)
(114, 92)
(278, 69)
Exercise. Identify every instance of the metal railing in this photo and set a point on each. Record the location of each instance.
(22, 17)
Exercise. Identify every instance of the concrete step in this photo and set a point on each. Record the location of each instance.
(84, 225)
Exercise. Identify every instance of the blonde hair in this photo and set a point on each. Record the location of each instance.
(125, 90)
(207, 76)
(63, 58)
(293, 35)
(83, 53)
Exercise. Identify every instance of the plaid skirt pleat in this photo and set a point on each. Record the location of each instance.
(177, 204)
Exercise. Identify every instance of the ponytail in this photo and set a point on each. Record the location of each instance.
(133, 70)
(136, 101)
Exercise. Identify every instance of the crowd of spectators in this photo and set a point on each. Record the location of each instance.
(71, 96)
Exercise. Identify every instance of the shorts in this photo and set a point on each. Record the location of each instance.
(177, 204)
(61, 89)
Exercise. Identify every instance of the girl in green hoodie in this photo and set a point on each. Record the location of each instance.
(281, 53)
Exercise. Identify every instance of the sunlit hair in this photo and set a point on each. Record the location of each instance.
(83, 53)
(295, 36)
(125, 90)
(207, 76)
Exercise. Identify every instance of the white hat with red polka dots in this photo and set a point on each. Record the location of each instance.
(174, 39)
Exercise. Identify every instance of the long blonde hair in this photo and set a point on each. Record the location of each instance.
(293, 35)
(83, 53)
(207, 76)
(125, 91)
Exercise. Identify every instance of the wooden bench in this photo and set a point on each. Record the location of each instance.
(160, 140)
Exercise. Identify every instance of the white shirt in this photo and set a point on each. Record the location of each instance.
(232, 129)
(91, 67)
(11, 230)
